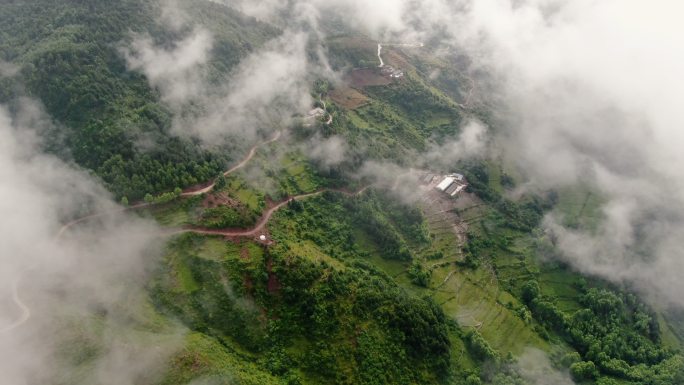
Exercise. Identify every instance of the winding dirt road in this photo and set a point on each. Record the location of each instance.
(254, 231)
(243, 162)
(382, 63)
(26, 311)
(188, 192)
(466, 105)
(259, 227)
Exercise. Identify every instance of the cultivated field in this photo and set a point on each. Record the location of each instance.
(348, 98)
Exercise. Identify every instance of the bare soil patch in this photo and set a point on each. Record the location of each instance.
(366, 77)
(273, 283)
(348, 98)
(220, 199)
(396, 59)
(244, 254)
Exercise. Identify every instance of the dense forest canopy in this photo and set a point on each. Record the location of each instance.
(109, 119)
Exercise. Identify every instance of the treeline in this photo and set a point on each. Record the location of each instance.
(614, 333)
(523, 215)
(332, 221)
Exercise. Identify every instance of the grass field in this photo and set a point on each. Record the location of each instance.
(248, 196)
(580, 207)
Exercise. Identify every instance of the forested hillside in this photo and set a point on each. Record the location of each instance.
(109, 119)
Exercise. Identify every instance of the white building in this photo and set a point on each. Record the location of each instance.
(452, 184)
(392, 72)
(316, 112)
(445, 183)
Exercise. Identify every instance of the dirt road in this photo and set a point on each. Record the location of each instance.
(26, 311)
(243, 162)
(187, 192)
(382, 63)
(260, 226)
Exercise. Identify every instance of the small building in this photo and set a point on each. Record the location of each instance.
(455, 188)
(445, 183)
(452, 184)
(316, 113)
(427, 178)
(392, 72)
(313, 115)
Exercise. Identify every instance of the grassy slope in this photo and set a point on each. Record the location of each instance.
(483, 299)
(225, 293)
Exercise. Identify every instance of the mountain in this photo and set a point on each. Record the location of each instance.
(315, 249)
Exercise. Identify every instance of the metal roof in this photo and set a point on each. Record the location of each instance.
(443, 185)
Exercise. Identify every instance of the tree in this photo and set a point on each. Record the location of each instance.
(419, 275)
(570, 358)
(530, 291)
(479, 347)
(220, 183)
(583, 370)
(124, 201)
(473, 380)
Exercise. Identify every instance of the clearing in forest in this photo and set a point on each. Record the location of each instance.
(367, 77)
(348, 98)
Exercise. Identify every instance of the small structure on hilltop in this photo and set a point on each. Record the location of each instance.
(313, 115)
(428, 178)
(264, 239)
(391, 72)
(316, 113)
(452, 184)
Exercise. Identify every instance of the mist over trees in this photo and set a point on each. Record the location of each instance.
(345, 275)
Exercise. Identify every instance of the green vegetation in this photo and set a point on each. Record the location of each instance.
(234, 206)
(614, 334)
(391, 131)
(351, 289)
(318, 249)
(294, 318)
(110, 120)
(285, 174)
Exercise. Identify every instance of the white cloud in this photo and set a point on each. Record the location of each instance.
(328, 151)
(53, 287)
(263, 93)
(592, 93)
(582, 91)
(471, 142)
(176, 71)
